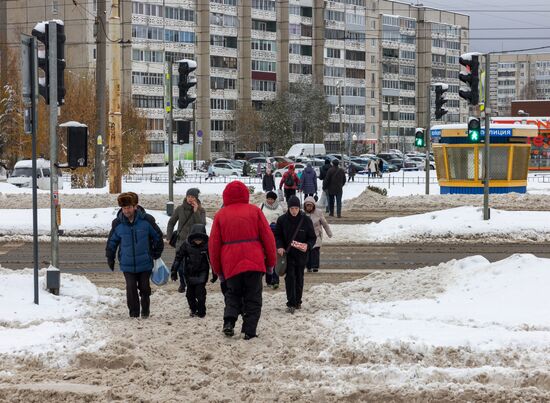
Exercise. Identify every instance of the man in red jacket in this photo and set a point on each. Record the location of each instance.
(241, 246)
(289, 182)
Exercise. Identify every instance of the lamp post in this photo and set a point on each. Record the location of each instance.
(350, 139)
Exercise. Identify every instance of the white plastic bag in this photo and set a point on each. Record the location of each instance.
(323, 200)
(160, 274)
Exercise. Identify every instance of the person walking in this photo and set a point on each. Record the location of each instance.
(187, 214)
(322, 174)
(319, 223)
(241, 246)
(268, 181)
(210, 172)
(351, 172)
(138, 244)
(192, 256)
(289, 182)
(380, 167)
(308, 181)
(272, 210)
(373, 168)
(295, 236)
(333, 185)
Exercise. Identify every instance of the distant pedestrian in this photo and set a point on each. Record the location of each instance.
(308, 181)
(245, 168)
(319, 223)
(192, 260)
(187, 214)
(373, 168)
(138, 243)
(241, 246)
(259, 170)
(272, 210)
(294, 233)
(333, 184)
(351, 172)
(380, 168)
(268, 181)
(322, 174)
(210, 173)
(289, 182)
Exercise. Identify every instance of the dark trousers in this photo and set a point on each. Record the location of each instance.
(244, 295)
(196, 298)
(288, 193)
(313, 258)
(294, 279)
(271, 279)
(331, 198)
(181, 276)
(135, 282)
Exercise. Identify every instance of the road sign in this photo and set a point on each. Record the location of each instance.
(199, 133)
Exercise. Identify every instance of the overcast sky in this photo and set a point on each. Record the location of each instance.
(500, 19)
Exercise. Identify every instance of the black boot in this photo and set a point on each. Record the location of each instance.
(229, 329)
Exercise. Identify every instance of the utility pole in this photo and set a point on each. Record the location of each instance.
(3, 42)
(341, 123)
(428, 135)
(169, 133)
(487, 148)
(389, 128)
(54, 192)
(115, 115)
(101, 85)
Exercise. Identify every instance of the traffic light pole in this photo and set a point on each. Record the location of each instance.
(428, 137)
(54, 193)
(487, 148)
(169, 114)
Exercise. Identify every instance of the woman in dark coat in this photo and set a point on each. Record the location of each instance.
(308, 183)
(268, 181)
(294, 221)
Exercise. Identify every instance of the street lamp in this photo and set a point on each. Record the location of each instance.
(350, 139)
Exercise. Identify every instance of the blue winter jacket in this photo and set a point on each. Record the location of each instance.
(135, 242)
(308, 183)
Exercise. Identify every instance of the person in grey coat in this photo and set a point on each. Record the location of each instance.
(333, 185)
(308, 183)
(188, 213)
(319, 223)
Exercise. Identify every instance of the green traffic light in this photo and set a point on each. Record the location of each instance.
(474, 136)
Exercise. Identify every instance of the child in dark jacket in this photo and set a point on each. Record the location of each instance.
(193, 257)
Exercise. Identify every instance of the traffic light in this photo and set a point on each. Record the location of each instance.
(184, 83)
(183, 127)
(470, 77)
(41, 33)
(440, 100)
(420, 138)
(474, 130)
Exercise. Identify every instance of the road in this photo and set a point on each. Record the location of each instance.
(338, 262)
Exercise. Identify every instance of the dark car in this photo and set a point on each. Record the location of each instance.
(388, 156)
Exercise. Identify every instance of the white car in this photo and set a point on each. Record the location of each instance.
(422, 163)
(297, 168)
(224, 169)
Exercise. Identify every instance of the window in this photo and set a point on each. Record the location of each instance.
(155, 124)
(262, 65)
(147, 55)
(407, 54)
(300, 68)
(148, 101)
(262, 44)
(373, 111)
(223, 104)
(143, 78)
(223, 62)
(173, 56)
(263, 85)
(334, 71)
(355, 55)
(332, 53)
(266, 5)
(156, 147)
(221, 83)
(355, 73)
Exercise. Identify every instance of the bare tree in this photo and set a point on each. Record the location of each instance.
(248, 127)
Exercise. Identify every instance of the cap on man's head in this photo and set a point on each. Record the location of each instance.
(126, 200)
(271, 195)
(193, 192)
(293, 201)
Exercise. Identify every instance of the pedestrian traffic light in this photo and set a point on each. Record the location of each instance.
(184, 83)
(41, 33)
(183, 127)
(474, 130)
(440, 100)
(470, 77)
(420, 138)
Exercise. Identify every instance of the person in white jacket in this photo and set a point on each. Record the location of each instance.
(319, 222)
(272, 210)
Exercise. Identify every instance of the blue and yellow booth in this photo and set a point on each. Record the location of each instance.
(459, 163)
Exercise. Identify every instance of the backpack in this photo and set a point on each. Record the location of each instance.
(289, 181)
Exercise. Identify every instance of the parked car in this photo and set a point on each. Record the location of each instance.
(388, 156)
(298, 167)
(246, 155)
(422, 162)
(407, 164)
(281, 161)
(225, 169)
(235, 164)
(22, 174)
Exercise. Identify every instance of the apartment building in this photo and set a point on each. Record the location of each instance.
(518, 77)
(379, 55)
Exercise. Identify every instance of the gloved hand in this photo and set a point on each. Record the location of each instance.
(174, 275)
(111, 264)
(269, 270)
(214, 278)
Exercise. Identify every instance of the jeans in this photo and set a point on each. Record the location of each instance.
(338, 197)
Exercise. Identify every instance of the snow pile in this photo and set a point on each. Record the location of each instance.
(463, 322)
(59, 327)
(461, 223)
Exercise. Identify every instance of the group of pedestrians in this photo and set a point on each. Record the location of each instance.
(245, 243)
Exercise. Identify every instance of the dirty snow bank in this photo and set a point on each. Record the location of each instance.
(463, 324)
(59, 327)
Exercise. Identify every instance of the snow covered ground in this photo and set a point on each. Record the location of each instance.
(57, 329)
(466, 330)
(461, 223)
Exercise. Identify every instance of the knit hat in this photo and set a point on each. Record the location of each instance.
(335, 162)
(193, 192)
(271, 195)
(125, 200)
(293, 201)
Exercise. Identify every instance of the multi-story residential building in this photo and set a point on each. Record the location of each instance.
(379, 55)
(518, 77)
